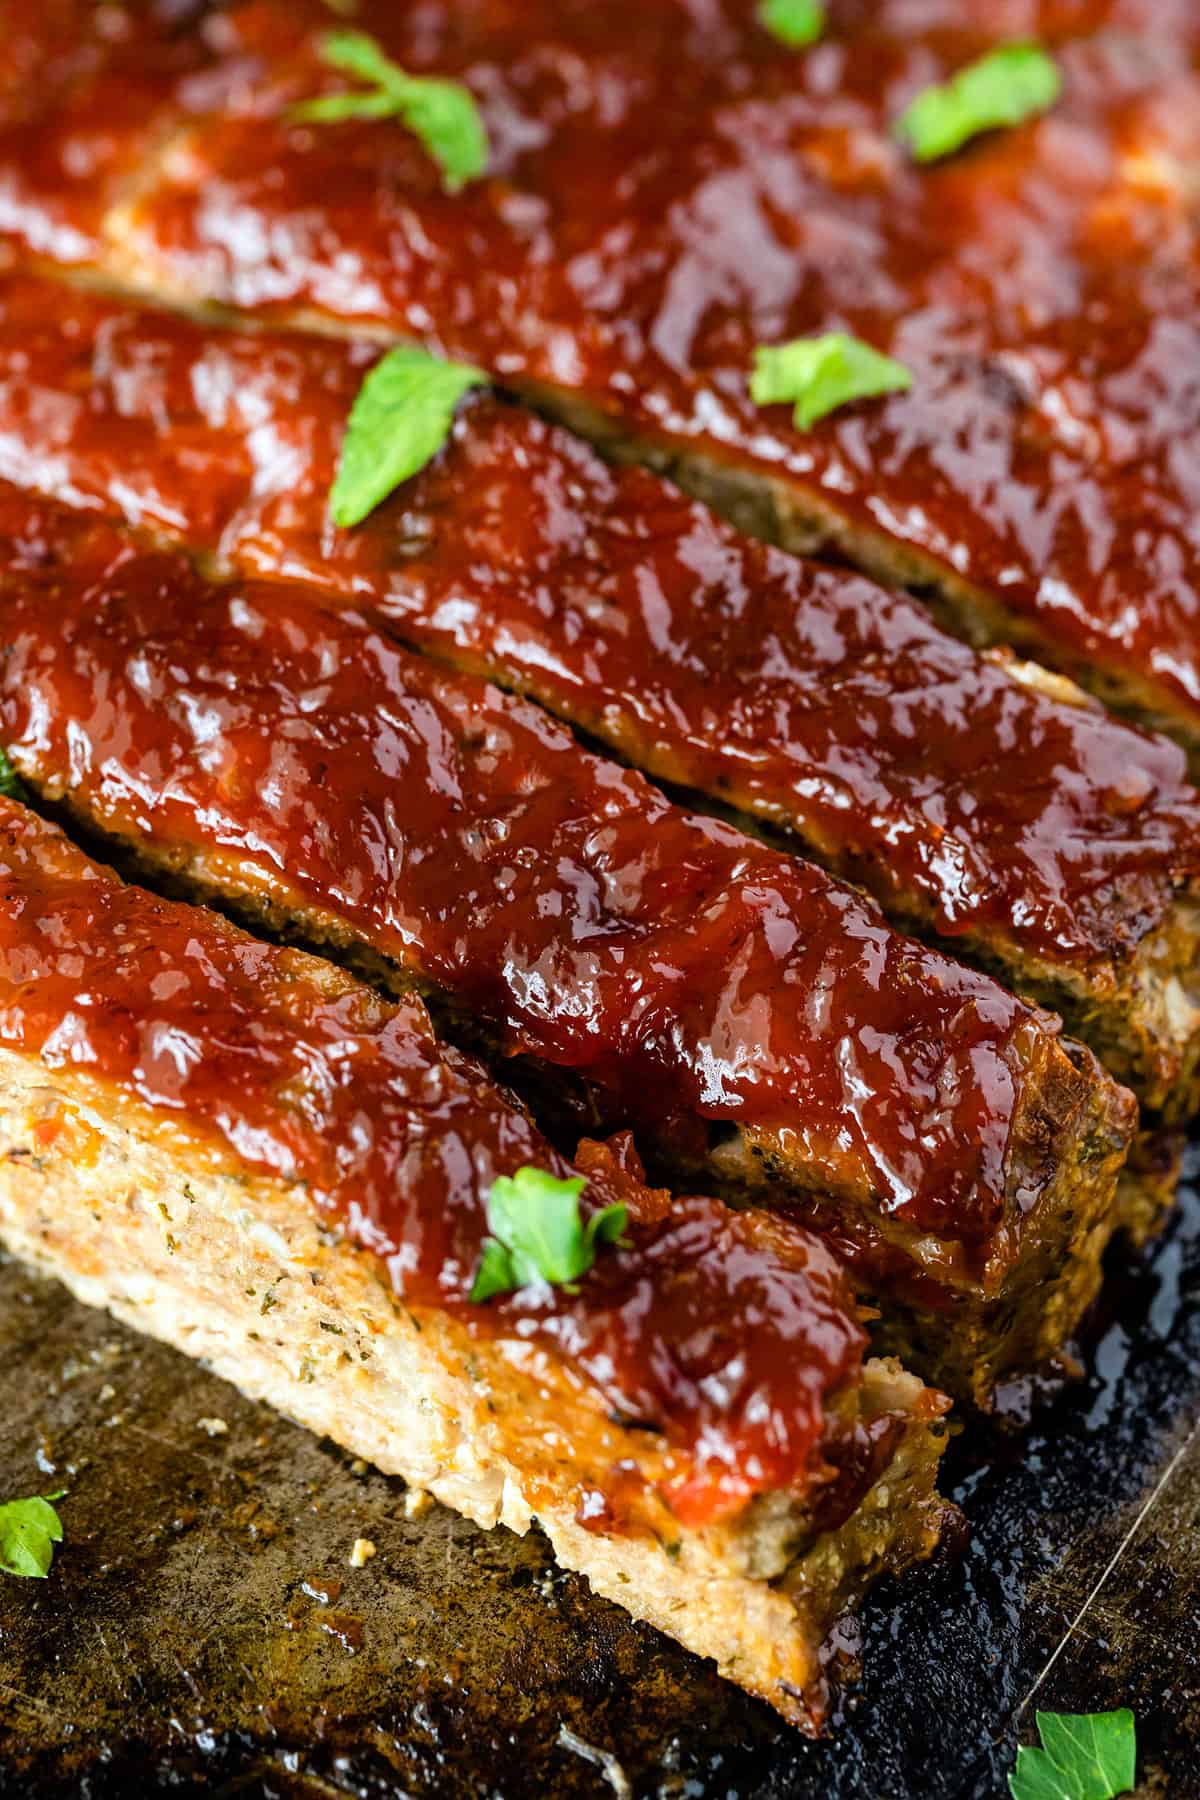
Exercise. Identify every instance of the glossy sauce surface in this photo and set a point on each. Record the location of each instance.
(729, 1333)
(807, 695)
(690, 974)
(670, 187)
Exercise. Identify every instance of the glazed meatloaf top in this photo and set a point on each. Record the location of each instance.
(668, 190)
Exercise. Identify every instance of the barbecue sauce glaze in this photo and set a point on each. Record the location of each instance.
(803, 694)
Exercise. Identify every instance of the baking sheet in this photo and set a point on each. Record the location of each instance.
(203, 1632)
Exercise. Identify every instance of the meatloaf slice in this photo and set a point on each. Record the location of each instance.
(752, 1020)
(245, 1152)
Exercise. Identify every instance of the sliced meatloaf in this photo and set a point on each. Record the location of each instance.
(244, 1151)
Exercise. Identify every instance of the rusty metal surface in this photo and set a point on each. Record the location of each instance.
(193, 1637)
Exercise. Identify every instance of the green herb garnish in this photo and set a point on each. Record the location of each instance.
(538, 1234)
(400, 419)
(443, 114)
(1084, 1756)
(822, 373)
(1005, 87)
(11, 785)
(796, 23)
(29, 1530)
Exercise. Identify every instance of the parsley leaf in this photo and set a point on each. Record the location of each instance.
(29, 1530)
(1005, 87)
(400, 419)
(1085, 1756)
(11, 785)
(822, 373)
(796, 23)
(538, 1235)
(443, 114)
(495, 1274)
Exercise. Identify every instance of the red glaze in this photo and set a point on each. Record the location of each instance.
(727, 1332)
(81, 88)
(809, 696)
(689, 973)
(670, 187)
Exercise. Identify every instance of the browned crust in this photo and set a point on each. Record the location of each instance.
(1140, 1017)
(1148, 1183)
(969, 1330)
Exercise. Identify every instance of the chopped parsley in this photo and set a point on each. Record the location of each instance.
(29, 1530)
(796, 23)
(400, 419)
(538, 1234)
(443, 114)
(1084, 1756)
(1005, 87)
(820, 374)
(11, 785)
